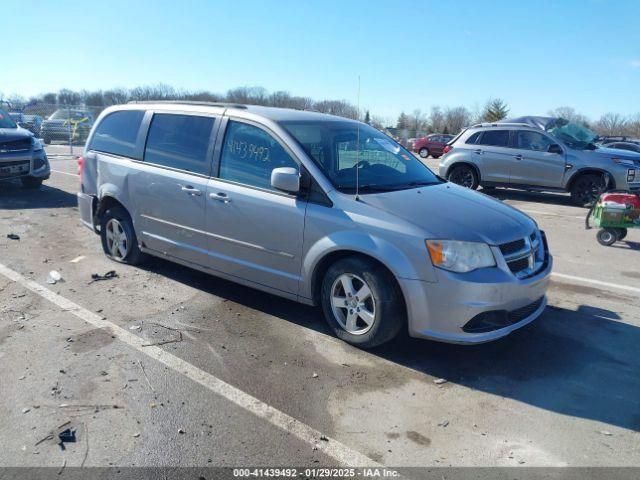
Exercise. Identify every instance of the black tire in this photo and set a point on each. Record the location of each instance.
(587, 188)
(464, 175)
(435, 156)
(46, 140)
(423, 152)
(133, 255)
(621, 233)
(31, 182)
(607, 236)
(488, 189)
(389, 313)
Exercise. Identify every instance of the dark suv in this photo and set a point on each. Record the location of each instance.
(67, 124)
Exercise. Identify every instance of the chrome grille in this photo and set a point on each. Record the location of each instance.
(525, 256)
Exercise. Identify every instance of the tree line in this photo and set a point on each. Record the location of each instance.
(439, 119)
(452, 119)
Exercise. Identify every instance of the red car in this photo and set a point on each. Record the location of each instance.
(431, 144)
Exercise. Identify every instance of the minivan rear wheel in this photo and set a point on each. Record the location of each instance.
(464, 175)
(423, 152)
(118, 237)
(362, 302)
(587, 189)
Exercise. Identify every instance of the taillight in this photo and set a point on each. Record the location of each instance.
(80, 167)
(446, 148)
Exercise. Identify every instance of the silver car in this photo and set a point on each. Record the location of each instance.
(317, 209)
(539, 153)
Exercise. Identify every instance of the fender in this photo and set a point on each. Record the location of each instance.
(575, 174)
(398, 263)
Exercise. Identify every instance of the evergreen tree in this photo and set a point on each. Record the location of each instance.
(367, 118)
(495, 109)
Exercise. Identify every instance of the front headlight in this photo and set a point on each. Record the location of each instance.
(37, 145)
(458, 256)
(623, 161)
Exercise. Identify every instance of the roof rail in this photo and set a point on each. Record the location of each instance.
(192, 102)
(501, 124)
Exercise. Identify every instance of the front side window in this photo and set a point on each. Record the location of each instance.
(117, 133)
(536, 141)
(349, 153)
(180, 141)
(494, 138)
(249, 155)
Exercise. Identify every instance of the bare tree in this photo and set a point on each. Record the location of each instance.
(456, 118)
(633, 125)
(569, 113)
(611, 124)
(436, 120)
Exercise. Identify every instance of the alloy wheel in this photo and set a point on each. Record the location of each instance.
(353, 304)
(117, 241)
(463, 177)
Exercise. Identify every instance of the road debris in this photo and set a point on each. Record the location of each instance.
(135, 327)
(96, 277)
(77, 259)
(26, 410)
(146, 377)
(54, 277)
(440, 381)
(606, 433)
(164, 342)
(13, 236)
(444, 424)
(315, 375)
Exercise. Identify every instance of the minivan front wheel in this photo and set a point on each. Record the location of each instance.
(361, 302)
(464, 175)
(118, 237)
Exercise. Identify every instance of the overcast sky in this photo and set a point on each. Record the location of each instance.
(536, 55)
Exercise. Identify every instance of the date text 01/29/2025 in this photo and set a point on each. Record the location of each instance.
(316, 472)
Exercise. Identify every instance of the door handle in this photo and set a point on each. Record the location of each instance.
(220, 197)
(478, 151)
(518, 157)
(188, 189)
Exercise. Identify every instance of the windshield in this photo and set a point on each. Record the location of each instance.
(6, 121)
(69, 114)
(346, 150)
(573, 135)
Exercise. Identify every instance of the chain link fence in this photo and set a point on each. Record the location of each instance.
(65, 127)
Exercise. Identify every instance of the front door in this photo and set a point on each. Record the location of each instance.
(256, 232)
(533, 163)
(169, 189)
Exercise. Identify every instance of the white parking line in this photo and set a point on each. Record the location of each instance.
(65, 173)
(540, 212)
(596, 282)
(336, 450)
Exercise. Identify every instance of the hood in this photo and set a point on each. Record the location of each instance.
(11, 134)
(448, 211)
(603, 153)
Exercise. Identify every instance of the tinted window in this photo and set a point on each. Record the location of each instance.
(495, 138)
(473, 138)
(117, 133)
(179, 141)
(532, 141)
(249, 154)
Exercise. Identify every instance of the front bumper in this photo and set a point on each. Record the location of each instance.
(440, 310)
(33, 164)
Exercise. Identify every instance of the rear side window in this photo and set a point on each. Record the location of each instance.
(473, 138)
(117, 133)
(180, 141)
(494, 138)
(249, 155)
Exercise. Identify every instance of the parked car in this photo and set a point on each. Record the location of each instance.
(632, 147)
(432, 145)
(65, 124)
(539, 153)
(21, 154)
(33, 123)
(314, 208)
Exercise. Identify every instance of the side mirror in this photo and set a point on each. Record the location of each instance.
(555, 148)
(286, 179)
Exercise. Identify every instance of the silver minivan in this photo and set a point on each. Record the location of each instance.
(314, 208)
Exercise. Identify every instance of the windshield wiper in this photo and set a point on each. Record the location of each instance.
(366, 188)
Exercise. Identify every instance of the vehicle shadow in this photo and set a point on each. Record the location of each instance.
(14, 197)
(627, 245)
(581, 363)
(525, 196)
